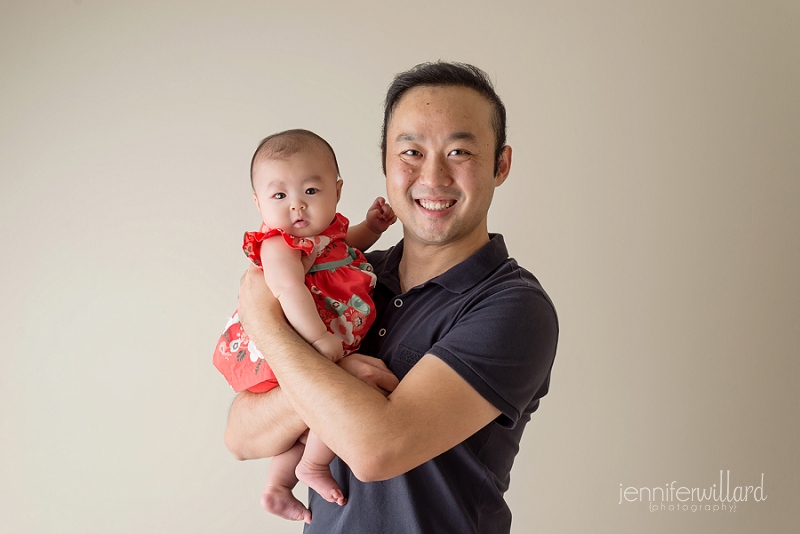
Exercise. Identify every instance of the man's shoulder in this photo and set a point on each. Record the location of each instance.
(511, 277)
(526, 277)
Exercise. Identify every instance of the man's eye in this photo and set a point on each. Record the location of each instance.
(458, 152)
(410, 152)
(279, 196)
(312, 191)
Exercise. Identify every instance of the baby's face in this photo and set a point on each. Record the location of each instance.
(297, 195)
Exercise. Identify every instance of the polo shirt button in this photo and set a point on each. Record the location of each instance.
(382, 332)
(398, 303)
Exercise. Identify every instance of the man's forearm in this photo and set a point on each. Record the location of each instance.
(332, 401)
(261, 425)
(378, 437)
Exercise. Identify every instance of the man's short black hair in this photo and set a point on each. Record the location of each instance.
(442, 73)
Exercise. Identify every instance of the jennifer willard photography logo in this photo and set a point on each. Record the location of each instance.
(673, 498)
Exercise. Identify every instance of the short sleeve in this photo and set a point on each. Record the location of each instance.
(251, 243)
(504, 347)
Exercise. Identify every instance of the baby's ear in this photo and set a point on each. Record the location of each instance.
(339, 183)
(255, 199)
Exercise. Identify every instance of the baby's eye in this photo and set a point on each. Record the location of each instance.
(279, 196)
(312, 191)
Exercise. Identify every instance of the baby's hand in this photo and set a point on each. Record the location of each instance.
(380, 216)
(329, 346)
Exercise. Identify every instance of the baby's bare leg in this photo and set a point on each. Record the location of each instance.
(277, 497)
(314, 471)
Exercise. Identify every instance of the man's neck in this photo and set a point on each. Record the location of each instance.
(422, 262)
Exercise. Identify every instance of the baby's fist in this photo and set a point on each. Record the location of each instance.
(329, 346)
(380, 216)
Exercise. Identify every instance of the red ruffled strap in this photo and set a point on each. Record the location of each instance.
(251, 244)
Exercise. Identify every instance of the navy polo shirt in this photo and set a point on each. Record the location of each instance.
(491, 321)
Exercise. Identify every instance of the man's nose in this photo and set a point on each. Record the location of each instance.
(435, 172)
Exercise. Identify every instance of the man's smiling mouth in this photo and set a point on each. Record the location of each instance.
(435, 205)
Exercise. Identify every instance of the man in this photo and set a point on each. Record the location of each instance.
(470, 335)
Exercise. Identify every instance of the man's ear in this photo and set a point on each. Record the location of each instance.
(503, 166)
(339, 183)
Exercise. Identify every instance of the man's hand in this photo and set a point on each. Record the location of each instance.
(380, 216)
(308, 260)
(371, 371)
(258, 307)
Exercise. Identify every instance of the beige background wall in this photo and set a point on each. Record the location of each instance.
(654, 192)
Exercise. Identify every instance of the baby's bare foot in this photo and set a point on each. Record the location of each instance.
(280, 501)
(318, 477)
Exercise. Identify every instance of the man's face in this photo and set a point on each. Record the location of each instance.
(440, 164)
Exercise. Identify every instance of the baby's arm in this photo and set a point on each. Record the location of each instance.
(284, 274)
(379, 217)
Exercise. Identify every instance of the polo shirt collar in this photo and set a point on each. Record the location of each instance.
(465, 275)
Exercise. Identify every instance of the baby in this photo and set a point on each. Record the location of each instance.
(312, 264)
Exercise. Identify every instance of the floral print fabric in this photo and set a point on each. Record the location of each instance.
(341, 282)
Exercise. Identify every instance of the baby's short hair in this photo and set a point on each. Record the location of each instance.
(284, 145)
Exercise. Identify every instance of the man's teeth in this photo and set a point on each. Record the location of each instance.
(437, 205)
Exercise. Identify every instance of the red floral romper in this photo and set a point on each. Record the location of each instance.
(341, 283)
